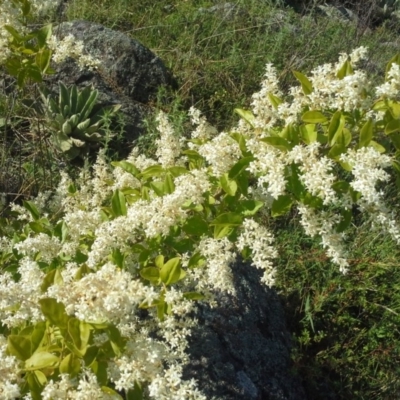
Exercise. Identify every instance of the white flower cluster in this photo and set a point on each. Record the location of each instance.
(70, 47)
(219, 254)
(19, 300)
(204, 130)
(368, 170)
(48, 247)
(391, 88)
(269, 166)
(266, 114)
(84, 388)
(315, 171)
(9, 373)
(222, 152)
(323, 224)
(329, 93)
(259, 240)
(168, 146)
(109, 294)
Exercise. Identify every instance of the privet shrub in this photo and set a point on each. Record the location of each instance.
(79, 266)
(99, 280)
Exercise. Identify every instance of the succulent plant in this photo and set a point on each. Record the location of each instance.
(75, 121)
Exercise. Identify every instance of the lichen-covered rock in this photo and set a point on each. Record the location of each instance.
(241, 348)
(129, 74)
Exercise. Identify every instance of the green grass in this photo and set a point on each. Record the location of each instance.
(345, 328)
(219, 61)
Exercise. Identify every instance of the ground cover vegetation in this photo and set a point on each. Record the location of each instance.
(308, 158)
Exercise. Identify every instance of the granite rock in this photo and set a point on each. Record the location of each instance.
(129, 74)
(241, 348)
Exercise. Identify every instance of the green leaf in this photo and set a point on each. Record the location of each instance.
(54, 312)
(393, 60)
(111, 393)
(242, 181)
(14, 33)
(118, 258)
(366, 133)
(238, 137)
(19, 346)
(394, 109)
(193, 155)
(127, 166)
(155, 170)
(291, 133)
(241, 165)
(161, 310)
(37, 227)
(313, 117)
(171, 271)
(38, 335)
(308, 133)
(395, 139)
(151, 274)
(79, 331)
(246, 115)
(282, 205)
(36, 383)
(278, 142)
(41, 360)
(41, 377)
(169, 184)
(249, 207)
(91, 352)
(295, 185)
(25, 7)
(43, 60)
(392, 126)
(195, 226)
(378, 147)
(193, 296)
(66, 128)
(43, 34)
(345, 70)
(73, 102)
(62, 141)
(345, 222)
(335, 127)
(90, 103)
(305, 83)
(99, 368)
(136, 393)
(177, 171)
(228, 219)
(159, 261)
(61, 231)
(341, 187)
(70, 365)
(159, 188)
(32, 209)
(54, 277)
(274, 100)
(118, 203)
(336, 150)
(116, 340)
(229, 185)
(197, 260)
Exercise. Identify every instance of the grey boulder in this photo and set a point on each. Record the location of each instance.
(129, 74)
(241, 348)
